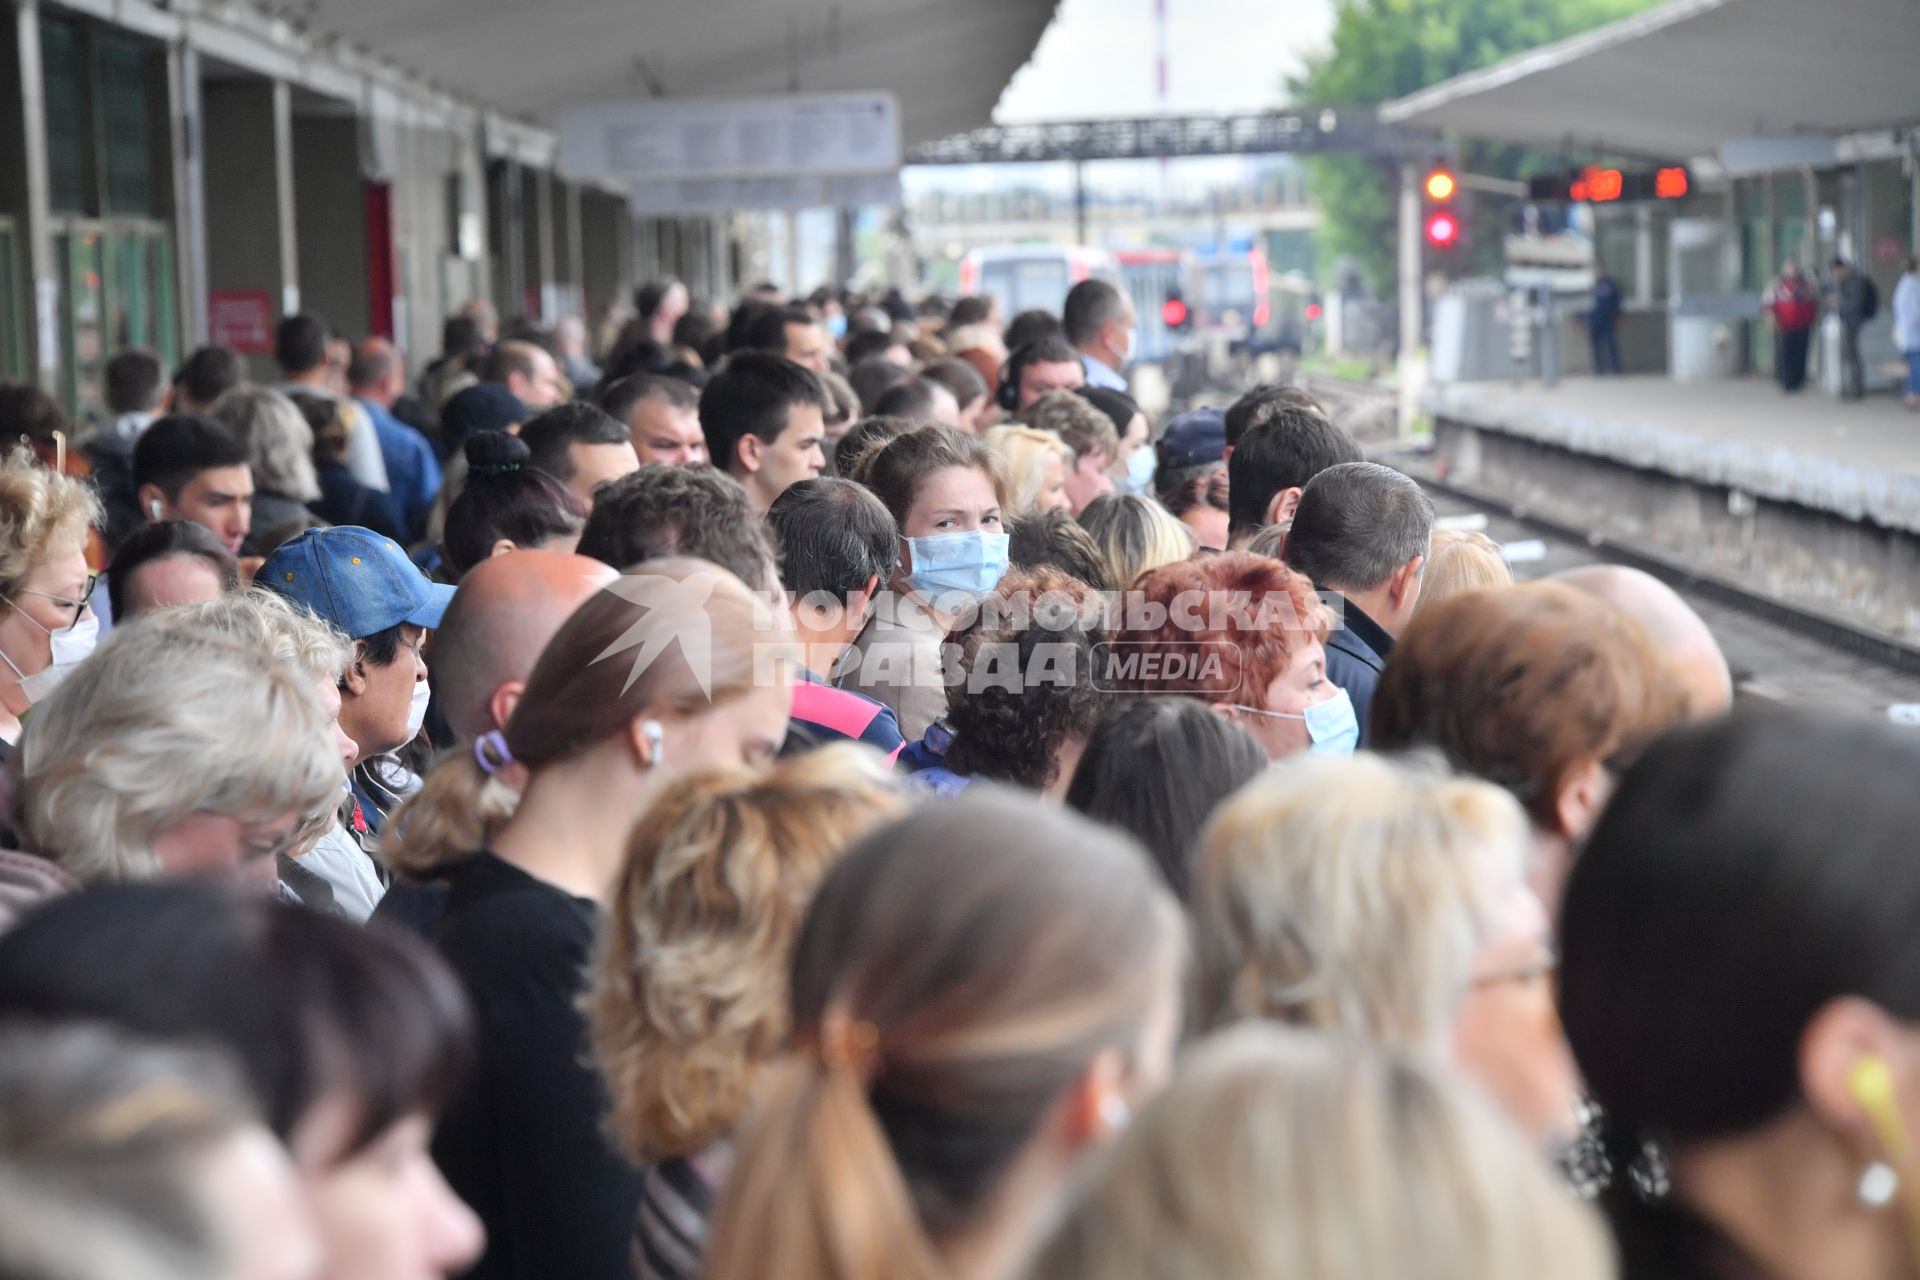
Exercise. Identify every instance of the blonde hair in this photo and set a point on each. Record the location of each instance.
(586, 688)
(1350, 894)
(268, 622)
(1135, 534)
(157, 725)
(1278, 1153)
(1460, 561)
(1024, 453)
(689, 989)
(277, 437)
(41, 513)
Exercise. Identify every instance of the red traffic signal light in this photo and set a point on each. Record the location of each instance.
(1173, 313)
(1442, 230)
(1313, 311)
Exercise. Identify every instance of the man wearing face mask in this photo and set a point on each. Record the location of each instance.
(1362, 532)
(1099, 322)
(366, 586)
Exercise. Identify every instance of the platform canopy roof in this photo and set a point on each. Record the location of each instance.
(1681, 80)
(946, 60)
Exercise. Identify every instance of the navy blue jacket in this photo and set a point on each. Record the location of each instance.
(1355, 653)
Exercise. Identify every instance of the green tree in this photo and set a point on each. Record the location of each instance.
(1386, 49)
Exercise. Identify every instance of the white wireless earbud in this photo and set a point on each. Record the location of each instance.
(656, 740)
(153, 508)
(1114, 1113)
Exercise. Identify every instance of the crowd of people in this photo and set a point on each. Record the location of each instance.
(832, 790)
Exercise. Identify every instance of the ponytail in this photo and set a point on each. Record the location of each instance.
(815, 1184)
(457, 812)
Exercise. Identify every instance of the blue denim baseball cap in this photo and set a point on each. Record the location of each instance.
(355, 579)
(1196, 437)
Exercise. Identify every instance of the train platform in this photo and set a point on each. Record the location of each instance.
(1804, 500)
(1857, 460)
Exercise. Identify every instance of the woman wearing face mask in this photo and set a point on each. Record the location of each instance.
(945, 489)
(46, 628)
(1246, 635)
(1741, 988)
(663, 672)
(351, 1038)
(1134, 461)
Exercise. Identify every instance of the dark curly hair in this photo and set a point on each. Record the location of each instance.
(1038, 633)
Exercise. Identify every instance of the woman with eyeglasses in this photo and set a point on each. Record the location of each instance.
(1387, 900)
(46, 628)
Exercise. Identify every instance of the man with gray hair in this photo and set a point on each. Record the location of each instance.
(1099, 322)
(1362, 533)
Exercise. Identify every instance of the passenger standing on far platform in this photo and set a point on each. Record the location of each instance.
(1906, 326)
(1794, 306)
(1603, 323)
(1855, 301)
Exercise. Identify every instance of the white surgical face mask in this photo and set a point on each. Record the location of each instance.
(70, 647)
(417, 711)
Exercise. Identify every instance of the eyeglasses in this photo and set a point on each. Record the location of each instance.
(78, 606)
(1522, 974)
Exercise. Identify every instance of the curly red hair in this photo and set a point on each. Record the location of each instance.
(1225, 594)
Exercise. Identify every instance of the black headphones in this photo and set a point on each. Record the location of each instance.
(1007, 395)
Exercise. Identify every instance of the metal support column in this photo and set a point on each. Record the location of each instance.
(543, 244)
(36, 234)
(1643, 258)
(189, 192)
(1412, 368)
(284, 197)
(576, 265)
(1079, 202)
(843, 264)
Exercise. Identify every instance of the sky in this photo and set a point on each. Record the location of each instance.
(1097, 59)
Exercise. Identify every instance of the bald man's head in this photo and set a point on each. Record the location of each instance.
(1693, 656)
(507, 608)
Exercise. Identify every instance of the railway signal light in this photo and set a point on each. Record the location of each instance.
(1442, 220)
(1174, 313)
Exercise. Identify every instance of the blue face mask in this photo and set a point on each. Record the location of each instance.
(837, 325)
(971, 563)
(1332, 727)
(1140, 468)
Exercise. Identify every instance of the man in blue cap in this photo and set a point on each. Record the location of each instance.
(1190, 474)
(364, 585)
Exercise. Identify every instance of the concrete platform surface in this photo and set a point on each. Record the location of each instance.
(1859, 460)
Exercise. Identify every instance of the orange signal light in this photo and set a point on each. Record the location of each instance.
(1604, 185)
(1670, 184)
(1440, 185)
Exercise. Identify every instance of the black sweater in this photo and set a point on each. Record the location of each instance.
(522, 1143)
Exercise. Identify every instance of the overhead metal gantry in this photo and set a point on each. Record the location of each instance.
(1315, 131)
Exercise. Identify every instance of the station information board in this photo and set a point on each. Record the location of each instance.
(798, 134)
